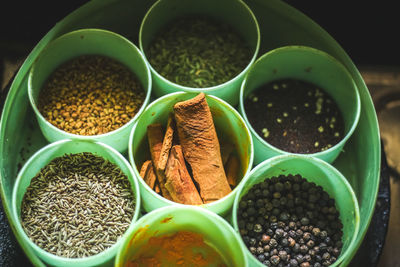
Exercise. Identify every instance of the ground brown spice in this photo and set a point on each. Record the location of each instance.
(295, 116)
(90, 95)
(183, 248)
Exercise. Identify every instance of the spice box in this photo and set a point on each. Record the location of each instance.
(280, 25)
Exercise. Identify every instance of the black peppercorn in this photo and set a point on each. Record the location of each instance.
(293, 263)
(283, 255)
(258, 228)
(273, 243)
(275, 259)
(252, 242)
(285, 227)
(267, 263)
(304, 221)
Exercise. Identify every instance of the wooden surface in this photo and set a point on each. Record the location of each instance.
(384, 86)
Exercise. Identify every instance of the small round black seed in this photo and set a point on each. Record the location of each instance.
(273, 243)
(326, 256)
(267, 263)
(293, 263)
(279, 232)
(275, 260)
(283, 255)
(284, 242)
(258, 228)
(303, 249)
(305, 221)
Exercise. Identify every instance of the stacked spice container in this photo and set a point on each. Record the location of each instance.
(76, 198)
(89, 84)
(229, 126)
(194, 46)
(294, 208)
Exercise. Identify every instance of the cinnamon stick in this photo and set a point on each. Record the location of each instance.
(179, 183)
(167, 144)
(197, 135)
(232, 170)
(155, 138)
(148, 174)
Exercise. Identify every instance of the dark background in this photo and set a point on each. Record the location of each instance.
(367, 30)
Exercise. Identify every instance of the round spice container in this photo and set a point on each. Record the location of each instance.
(89, 84)
(197, 46)
(74, 201)
(296, 209)
(193, 237)
(234, 141)
(299, 100)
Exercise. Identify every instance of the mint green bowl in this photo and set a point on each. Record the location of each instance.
(319, 172)
(216, 232)
(311, 65)
(164, 11)
(83, 42)
(229, 126)
(280, 24)
(40, 159)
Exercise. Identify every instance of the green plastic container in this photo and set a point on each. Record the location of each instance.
(83, 42)
(319, 172)
(229, 126)
(164, 11)
(168, 220)
(40, 159)
(311, 65)
(279, 23)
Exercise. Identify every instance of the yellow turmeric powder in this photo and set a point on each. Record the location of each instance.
(183, 248)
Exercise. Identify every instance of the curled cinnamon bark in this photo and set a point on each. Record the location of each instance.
(155, 137)
(201, 149)
(178, 182)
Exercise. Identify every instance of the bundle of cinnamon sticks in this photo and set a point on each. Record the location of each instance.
(186, 164)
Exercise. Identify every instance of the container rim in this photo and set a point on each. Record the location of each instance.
(169, 202)
(69, 135)
(171, 209)
(106, 254)
(203, 89)
(271, 162)
(328, 57)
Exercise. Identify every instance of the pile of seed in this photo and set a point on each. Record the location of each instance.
(295, 116)
(198, 52)
(90, 95)
(288, 221)
(77, 206)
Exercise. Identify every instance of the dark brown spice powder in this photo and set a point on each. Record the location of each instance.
(295, 116)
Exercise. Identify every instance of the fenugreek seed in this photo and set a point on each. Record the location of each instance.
(101, 81)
